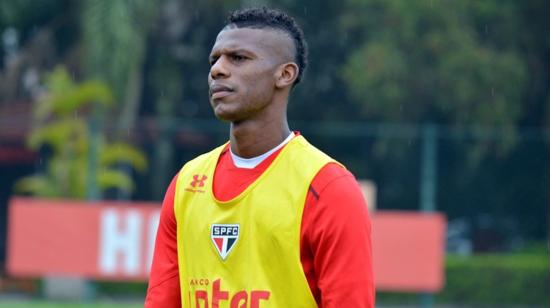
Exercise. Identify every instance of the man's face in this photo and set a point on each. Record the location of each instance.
(242, 76)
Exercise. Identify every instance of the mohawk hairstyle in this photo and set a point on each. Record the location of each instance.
(264, 17)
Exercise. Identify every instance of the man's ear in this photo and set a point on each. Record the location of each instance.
(286, 74)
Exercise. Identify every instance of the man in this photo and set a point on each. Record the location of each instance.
(266, 220)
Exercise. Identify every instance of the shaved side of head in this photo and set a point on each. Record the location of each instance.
(291, 44)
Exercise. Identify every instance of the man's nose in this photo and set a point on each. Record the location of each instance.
(219, 69)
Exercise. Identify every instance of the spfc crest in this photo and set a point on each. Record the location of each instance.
(224, 237)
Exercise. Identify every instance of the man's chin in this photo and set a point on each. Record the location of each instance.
(225, 116)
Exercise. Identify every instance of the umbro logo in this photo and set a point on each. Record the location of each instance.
(197, 183)
(224, 237)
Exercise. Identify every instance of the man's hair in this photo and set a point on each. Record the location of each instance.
(264, 17)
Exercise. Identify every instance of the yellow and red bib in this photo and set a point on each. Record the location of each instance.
(245, 252)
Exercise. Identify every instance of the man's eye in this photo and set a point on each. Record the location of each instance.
(238, 58)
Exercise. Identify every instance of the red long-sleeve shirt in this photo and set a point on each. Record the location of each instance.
(335, 242)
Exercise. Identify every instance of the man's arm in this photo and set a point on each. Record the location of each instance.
(164, 286)
(337, 231)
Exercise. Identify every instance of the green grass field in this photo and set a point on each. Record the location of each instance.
(48, 304)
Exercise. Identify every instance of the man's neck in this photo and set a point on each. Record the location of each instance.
(250, 139)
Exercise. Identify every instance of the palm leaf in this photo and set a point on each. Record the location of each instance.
(57, 134)
(38, 185)
(123, 153)
(108, 178)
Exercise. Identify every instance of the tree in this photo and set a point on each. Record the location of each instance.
(61, 129)
(114, 34)
(424, 62)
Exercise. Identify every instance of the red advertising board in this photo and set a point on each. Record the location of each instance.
(408, 251)
(114, 241)
(104, 240)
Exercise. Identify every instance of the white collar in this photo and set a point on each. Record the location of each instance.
(251, 163)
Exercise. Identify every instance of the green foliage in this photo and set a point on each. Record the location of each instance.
(432, 62)
(498, 279)
(123, 153)
(114, 34)
(492, 280)
(114, 288)
(65, 98)
(422, 62)
(67, 135)
(23, 13)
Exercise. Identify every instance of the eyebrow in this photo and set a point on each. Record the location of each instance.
(230, 51)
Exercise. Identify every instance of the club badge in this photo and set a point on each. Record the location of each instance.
(224, 237)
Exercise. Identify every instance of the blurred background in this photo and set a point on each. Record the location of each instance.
(443, 104)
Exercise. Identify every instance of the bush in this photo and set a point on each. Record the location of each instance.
(493, 279)
(117, 288)
(498, 279)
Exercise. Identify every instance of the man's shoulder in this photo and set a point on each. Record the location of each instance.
(313, 151)
(331, 172)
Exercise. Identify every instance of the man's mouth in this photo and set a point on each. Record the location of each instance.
(220, 91)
